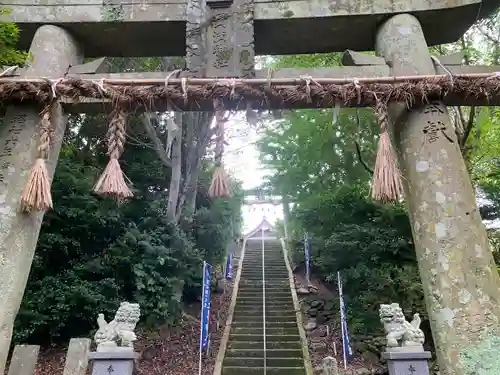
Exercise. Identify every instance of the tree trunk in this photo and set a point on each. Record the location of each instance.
(175, 180)
(197, 147)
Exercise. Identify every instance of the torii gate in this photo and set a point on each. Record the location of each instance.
(220, 38)
(265, 196)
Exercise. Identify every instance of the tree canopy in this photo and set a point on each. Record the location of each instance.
(322, 160)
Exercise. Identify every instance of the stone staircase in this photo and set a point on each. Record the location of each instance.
(255, 348)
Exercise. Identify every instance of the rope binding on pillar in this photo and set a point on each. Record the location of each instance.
(220, 186)
(112, 180)
(386, 184)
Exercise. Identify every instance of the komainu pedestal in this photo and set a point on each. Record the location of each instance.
(410, 363)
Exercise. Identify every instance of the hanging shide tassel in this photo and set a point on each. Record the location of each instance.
(220, 186)
(36, 194)
(112, 180)
(386, 186)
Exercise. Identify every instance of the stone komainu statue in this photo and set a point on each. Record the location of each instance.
(399, 332)
(120, 330)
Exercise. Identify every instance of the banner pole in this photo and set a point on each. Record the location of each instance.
(342, 318)
(201, 317)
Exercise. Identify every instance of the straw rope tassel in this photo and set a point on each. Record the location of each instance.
(36, 194)
(112, 180)
(386, 186)
(220, 181)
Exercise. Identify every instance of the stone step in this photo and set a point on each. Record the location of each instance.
(258, 362)
(285, 313)
(242, 362)
(259, 353)
(244, 317)
(257, 285)
(255, 295)
(269, 330)
(243, 370)
(258, 323)
(257, 265)
(268, 272)
(270, 310)
(268, 281)
(267, 275)
(253, 345)
(271, 300)
(257, 337)
(270, 304)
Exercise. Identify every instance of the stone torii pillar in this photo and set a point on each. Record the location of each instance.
(459, 277)
(53, 51)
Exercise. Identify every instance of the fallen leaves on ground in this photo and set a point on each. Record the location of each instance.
(165, 351)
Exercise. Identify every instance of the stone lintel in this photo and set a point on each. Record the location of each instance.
(157, 28)
(334, 72)
(353, 58)
(94, 66)
(452, 59)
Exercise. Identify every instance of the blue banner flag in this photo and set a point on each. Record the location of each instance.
(229, 266)
(346, 345)
(205, 305)
(308, 257)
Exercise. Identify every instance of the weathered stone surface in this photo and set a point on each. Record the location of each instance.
(361, 59)
(453, 59)
(399, 363)
(459, 277)
(77, 357)
(401, 334)
(303, 291)
(119, 362)
(330, 366)
(53, 50)
(92, 67)
(24, 360)
(196, 38)
(230, 40)
(118, 334)
(281, 27)
(310, 325)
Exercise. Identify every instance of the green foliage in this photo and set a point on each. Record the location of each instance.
(370, 244)
(94, 253)
(314, 161)
(309, 153)
(9, 36)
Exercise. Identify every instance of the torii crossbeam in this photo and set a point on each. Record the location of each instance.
(220, 39)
